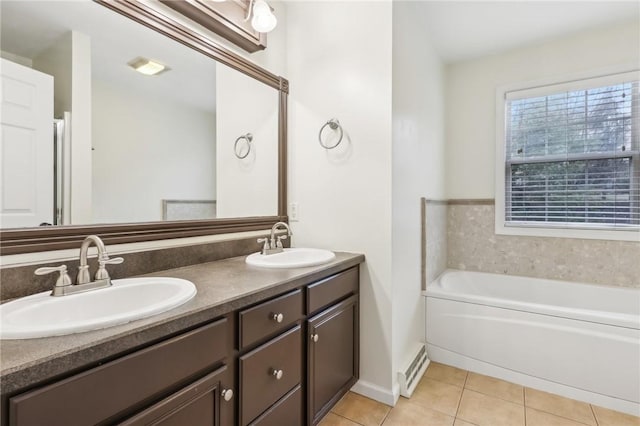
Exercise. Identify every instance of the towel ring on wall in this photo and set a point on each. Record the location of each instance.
(248, 137)
(333, 125)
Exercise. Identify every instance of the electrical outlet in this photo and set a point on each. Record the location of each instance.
(294, 212)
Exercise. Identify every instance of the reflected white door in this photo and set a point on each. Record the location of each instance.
(26, 146)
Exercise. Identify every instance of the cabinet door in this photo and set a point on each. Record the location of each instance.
(199, 404)
(124, 386)
(333, 345)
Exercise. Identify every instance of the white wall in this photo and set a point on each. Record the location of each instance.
(81, 129)
(339, 65)
(141, 156)
(21, 60)
(418, 167)
(248, 186)
(56, 61)
(471, 91)
(69, 61)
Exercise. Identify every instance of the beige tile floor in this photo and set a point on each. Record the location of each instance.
(448, 396)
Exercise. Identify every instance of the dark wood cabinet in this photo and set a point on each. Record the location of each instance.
(269, 318)
(287, 411)
(268, 373)
(120, 388)
(285, 360)
(332, 356)
(204, 402)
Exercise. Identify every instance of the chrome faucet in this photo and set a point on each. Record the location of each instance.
(273, 244)
(103, 259)
(64, 285)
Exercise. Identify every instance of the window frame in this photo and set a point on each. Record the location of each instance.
(547, 86)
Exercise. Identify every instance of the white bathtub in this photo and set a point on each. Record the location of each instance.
(577, 340)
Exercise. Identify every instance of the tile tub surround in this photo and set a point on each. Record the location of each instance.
(473, 245)
(449, 396)
(434, 244)
(223, 286)
(20, 281)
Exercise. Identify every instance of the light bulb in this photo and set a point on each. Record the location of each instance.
(263, 20)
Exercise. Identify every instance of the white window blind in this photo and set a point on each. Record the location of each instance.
(573, 157)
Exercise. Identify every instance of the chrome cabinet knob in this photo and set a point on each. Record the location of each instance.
(227, 394)
(315, 337)
(277, 317)
(277, 374)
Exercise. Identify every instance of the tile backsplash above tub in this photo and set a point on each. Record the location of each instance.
(473, 245)
(459, 234)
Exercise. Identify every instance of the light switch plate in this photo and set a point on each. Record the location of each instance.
(294, 212)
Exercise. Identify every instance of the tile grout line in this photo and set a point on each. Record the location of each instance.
(594, 414)
(542, 410)
(524, 405)
(464, 386)
(562, 417)
(494, 396)
(559, 415)
(437, 410)
(388, 412)
(345, 417)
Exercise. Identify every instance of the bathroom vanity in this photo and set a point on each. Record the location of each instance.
(254, 347)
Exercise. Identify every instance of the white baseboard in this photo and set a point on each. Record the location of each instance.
(377, 393)
(444, 356)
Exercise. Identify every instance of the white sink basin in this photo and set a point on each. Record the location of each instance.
(42, 315)
(292, 258)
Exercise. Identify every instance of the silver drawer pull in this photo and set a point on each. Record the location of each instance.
(315, 337)
(277, 317)
(277, 373)
(227, 394)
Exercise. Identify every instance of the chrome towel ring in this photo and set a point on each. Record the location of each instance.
(238, 152)
(333, 125)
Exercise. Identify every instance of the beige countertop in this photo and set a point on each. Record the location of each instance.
(223, 286)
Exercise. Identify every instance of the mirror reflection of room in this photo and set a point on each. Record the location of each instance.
(107, 121)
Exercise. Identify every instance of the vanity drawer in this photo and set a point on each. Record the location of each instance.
(259, 386)
(110, 390)
(325, 292)
(262, 320)
(287, 411)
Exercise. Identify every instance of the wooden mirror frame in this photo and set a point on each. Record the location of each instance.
(29, 240)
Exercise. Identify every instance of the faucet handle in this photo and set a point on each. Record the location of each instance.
(280, 238)
(63, 279)
(266, 245)
(101, 273)
(111, 261)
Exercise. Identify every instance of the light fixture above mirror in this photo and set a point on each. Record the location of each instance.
(262, 18)
(244, 23)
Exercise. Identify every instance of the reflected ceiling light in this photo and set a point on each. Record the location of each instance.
(147, 66)
(263, 19)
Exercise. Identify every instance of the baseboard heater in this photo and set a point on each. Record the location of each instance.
(409, 377)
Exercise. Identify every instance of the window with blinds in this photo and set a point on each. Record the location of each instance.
(572, 156)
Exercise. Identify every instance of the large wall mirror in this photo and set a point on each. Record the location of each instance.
(92, 145)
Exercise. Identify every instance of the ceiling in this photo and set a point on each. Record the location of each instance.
(460, 30)
(463, 30)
